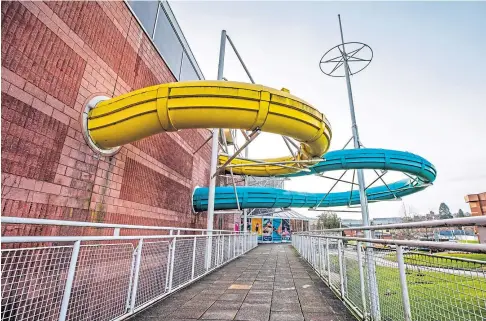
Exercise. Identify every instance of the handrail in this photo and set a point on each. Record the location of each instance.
(463, 221)
(479, 248)
(37, 221)
(40, 239)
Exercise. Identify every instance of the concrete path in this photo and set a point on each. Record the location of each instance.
(270, 283)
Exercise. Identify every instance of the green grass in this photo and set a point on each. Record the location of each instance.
(468, 241)
(444, 260)
(472, 256)
(433, 296)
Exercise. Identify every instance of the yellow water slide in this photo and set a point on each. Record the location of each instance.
(213, 104)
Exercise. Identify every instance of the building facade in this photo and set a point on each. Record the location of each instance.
(56, 56)
(477, 203)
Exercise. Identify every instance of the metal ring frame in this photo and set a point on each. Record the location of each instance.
(84, 125)
(345, 55)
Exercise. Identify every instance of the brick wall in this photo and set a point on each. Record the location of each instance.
(55, 57)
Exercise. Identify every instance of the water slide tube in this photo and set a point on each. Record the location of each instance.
(221, 104)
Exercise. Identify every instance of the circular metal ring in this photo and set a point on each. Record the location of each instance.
(84, 125)
(351, 55)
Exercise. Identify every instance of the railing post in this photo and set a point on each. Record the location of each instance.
(116, 231)
(361, 279)
(403, 282)
(222, 249)
(136, 276)
(328, 263)
(172, 259)
(69, 281)
(229, 247)
(193, 257)
(319, 258)
(341, 267)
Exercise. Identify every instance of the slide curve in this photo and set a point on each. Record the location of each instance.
(223, 104)
(366, 158)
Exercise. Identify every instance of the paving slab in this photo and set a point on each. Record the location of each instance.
(270, 283)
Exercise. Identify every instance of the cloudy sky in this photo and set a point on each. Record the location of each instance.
(424, 92)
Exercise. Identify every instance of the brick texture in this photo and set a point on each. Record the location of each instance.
(143, 185)
(35, 53)
(167, 151)
(31, 141)
(55, 57)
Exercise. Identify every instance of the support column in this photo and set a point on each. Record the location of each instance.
(214, 161)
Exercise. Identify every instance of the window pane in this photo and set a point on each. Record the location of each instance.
(187, 70)
(168, 44)
(146, 11)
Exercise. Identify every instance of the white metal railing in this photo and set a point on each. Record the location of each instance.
(398, 281)
(105, 277)
(116, 227)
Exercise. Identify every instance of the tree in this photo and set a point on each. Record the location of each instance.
(444, 211)
(328, 220)
(460, 213)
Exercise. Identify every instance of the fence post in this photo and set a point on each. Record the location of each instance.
(193, 257)
(319, 248)
(403, 282)
(136, 276)
(172, 259)
(361, 279)
(69, 281)
(222, 249)
(229, 247)
(341, 267)
(328, 263)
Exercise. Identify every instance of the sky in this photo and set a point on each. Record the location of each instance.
(424, 92)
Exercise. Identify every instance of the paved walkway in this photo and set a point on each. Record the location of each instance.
(269, 283)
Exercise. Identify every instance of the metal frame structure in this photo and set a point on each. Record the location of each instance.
(344, 61)
(83, 261)
(328, 255)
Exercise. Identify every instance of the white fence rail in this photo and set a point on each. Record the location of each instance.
(105, 277)
(399, 282)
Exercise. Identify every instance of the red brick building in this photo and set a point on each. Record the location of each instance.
(477, 203)
(56, 56)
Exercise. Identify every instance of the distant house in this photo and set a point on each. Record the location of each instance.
(351, 223)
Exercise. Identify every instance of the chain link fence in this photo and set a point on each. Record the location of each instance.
(105, 278)
(400, 282)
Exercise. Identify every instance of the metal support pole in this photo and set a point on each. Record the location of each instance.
(375, 305)
(136, 276)
(403, 282)
(361, 279)
(193, 258)
(214, 160)
(69, 281)
(341, 267)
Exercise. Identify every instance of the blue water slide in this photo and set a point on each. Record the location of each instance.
(422, 174)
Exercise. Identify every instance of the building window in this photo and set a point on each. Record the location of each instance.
(187, 70)
(166, 41)
(160, 27)
(146, 12)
